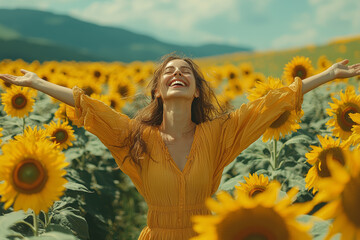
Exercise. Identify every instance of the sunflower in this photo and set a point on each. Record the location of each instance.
(254, 78)
(61, 112)
(33, 135)
(342, 193)
(323, 63)
(317, 157)
(254, 184)
(298, 67)
(89, 86)
(246, 69)
(354, 139)
(116, 102)
(31, 174)
(287, 122)
(349, 103)
(230, 72)
(125, 88)
(246, 218)
(61, 133)
(18, 101)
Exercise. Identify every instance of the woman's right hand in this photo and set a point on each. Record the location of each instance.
(27, 80)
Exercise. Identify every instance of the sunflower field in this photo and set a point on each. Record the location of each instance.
(300, 180)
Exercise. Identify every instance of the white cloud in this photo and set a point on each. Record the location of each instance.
(177, 19)
(317, 26)
(295, 40)
(329, 12)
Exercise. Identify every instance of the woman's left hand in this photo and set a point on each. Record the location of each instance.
(341, 70)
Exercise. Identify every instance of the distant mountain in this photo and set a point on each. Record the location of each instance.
(38, 35)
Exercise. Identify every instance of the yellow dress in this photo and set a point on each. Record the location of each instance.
(173, 196)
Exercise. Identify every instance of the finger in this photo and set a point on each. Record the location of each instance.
(7, 77)
(355, 65)
(24, 71)
(344, 62)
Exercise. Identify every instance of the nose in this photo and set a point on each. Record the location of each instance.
(177, 72)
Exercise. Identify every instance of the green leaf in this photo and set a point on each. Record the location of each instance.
(230, 184)
(8, 220)
(73, 153)
(77, 187)
(298, 139)
(71, 218)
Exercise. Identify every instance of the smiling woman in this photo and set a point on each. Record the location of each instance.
(176, 148)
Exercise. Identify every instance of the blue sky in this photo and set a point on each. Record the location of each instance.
(260, 24)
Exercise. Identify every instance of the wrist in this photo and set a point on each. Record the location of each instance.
(37, 83)
(328, 75)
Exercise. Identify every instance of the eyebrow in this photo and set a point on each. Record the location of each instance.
(180, 67)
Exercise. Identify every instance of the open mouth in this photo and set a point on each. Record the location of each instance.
(177, 83)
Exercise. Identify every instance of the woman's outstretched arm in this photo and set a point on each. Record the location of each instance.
(32, 80)
(337, 70)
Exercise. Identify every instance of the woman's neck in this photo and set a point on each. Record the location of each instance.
(177, 119)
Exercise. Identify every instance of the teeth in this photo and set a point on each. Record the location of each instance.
(177, 82)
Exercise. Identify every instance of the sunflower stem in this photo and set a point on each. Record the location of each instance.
(274, 154)
(36, 224)
(23, 125)
(46, 217)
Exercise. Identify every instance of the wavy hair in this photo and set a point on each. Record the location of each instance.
(204, 108)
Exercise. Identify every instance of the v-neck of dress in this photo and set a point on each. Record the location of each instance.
(188, 157)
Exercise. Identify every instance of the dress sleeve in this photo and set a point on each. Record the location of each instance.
(110, 126)
(246, 124)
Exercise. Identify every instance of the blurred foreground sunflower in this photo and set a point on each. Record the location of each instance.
(300, 67)
(31, 175)
(259, 217)
(354, 139)
(339, 111)
(317, 157)
(287, 122)
(61, 133)
(254, 184)
(18, 101)
(341, 191)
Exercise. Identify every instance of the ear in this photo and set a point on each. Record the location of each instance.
(196, 93)
(157, 94)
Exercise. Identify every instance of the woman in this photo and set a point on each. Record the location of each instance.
(176, 148)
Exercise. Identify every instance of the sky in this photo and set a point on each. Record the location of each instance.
(258, 24)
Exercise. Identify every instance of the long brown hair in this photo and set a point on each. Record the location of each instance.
(204, 108)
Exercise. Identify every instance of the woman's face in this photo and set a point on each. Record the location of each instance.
(177, 81)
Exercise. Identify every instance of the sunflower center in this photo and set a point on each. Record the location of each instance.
(255, 191)
(112, 103)
(299, 71)
(321, 163)
(29, 176)
(89, 90)
(350, 200)
(232, 75)
(281, 120)
(123, 90)
(19, 101)
(259, 223)
(60, 135)
(344, 120)
(97, 73)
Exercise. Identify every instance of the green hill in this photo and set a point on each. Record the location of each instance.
(61, 32)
